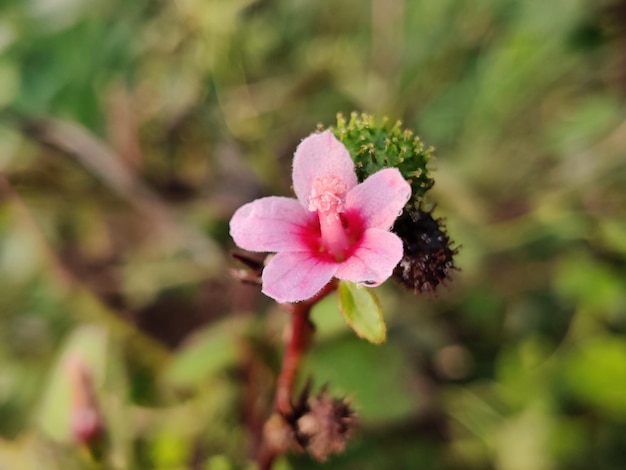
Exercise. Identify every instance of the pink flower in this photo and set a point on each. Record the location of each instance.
(335, 227)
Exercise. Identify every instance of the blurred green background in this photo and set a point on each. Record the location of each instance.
(131, 130)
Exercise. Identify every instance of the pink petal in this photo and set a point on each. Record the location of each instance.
(271, 224)
(292, 277)
(372, 262)
(321, 155)
(380, 198)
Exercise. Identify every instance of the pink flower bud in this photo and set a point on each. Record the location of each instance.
(85, 421)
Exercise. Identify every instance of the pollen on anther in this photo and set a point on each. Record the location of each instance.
(327, 195)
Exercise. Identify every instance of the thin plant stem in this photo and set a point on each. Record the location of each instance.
(301, 332)
(298, 343)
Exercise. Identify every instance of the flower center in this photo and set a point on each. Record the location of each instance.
(327, 194)
(327, 199)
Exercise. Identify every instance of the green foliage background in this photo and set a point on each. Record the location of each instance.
(130, 132)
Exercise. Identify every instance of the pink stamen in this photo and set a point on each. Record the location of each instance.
(327, 195)
(327, 199)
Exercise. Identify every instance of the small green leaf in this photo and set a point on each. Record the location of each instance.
(361, 309)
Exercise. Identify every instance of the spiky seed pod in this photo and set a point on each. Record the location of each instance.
(377, 144)
(327, 425)
(428, 254)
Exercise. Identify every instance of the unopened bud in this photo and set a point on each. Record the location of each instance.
(85, 421)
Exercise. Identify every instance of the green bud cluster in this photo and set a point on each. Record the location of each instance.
(374, 145)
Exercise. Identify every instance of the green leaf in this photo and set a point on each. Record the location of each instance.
(361, 309)
(207, 352)
(341, 363)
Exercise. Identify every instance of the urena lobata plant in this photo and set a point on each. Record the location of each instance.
(356, 220)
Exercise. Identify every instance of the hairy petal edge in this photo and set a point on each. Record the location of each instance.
(296, 276)
(379, 199)
(272, 224)
(318, 156)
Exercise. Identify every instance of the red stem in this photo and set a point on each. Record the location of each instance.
(300, 334)
(301, 329)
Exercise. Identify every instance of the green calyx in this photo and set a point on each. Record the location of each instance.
(374, 145)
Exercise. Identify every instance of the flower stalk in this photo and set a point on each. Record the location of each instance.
(301, 333)
(279, 435)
